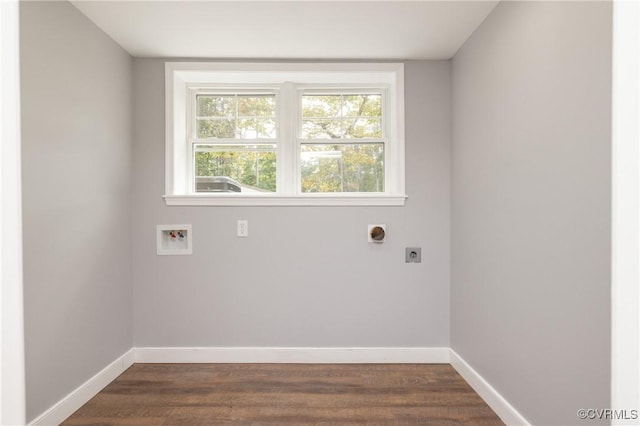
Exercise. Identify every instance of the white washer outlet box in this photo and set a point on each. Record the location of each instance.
(174, 239)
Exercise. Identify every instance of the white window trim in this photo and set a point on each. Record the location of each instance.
(180, 75)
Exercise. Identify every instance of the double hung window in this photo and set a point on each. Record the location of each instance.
(284, 134)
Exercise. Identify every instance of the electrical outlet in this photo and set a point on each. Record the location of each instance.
(413, 255)
(243, 228)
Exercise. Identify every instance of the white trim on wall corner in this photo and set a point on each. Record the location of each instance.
(497, 402)
(625, 235)
(293, 355)
(12, 370)
(76, 399)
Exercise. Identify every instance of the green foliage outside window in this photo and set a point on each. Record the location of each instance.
(342, 168)
(252, 166)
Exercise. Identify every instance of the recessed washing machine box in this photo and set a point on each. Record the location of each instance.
(174, 239)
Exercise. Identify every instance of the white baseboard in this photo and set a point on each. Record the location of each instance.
(76, 399)
(440, 355)
(294, 355)
(501, 406)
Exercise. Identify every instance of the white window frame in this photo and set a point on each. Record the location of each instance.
(291, 79)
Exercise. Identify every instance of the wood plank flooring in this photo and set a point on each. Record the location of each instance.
(296, 394)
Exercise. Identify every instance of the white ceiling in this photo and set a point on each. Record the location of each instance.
(289, 29)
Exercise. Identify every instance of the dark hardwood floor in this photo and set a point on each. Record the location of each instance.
(297, 394)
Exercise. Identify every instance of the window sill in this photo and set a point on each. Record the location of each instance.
(283, 200)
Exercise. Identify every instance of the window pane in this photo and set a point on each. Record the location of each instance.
(257, 106)
(236, 116)
(257, 128)
(321, 129)
(216, 106)
(321, 106)
(209, 128)
(249, 168)
(346, 116)
(362, 106)
(362, 128)
(342, 168)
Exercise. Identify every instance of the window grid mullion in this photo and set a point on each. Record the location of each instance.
(341, 115)
(360, 141)
(235, 119)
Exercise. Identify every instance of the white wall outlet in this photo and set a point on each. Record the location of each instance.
(376, 233)
(174, 239)
(243, 229)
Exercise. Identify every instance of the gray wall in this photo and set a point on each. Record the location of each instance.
(76, 138)
(305, 276)
(531, 206)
